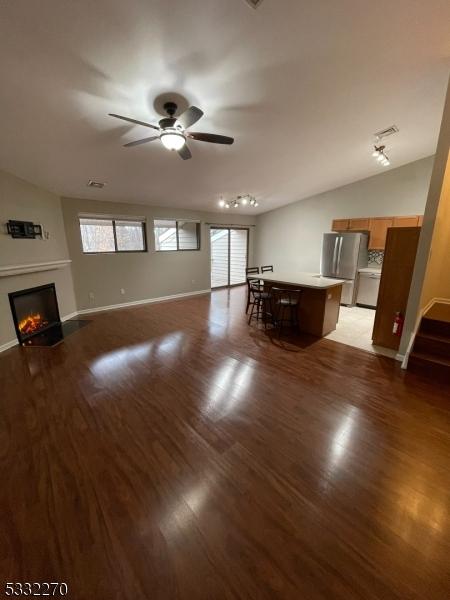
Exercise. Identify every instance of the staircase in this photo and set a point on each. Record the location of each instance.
(431, 351)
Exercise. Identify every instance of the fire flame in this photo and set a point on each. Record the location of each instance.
(31, 323)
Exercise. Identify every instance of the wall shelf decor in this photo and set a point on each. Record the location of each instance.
(23, 230)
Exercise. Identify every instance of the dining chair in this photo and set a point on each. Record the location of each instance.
(267, 269)
(285, 304)
(260, 300)
(250, 271)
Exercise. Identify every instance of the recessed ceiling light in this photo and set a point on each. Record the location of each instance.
(96, 184)
(254, 3)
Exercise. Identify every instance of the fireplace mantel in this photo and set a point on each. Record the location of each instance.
(10, 270)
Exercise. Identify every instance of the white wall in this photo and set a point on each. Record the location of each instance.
(23, 201)
(414, 307)
(143, 275)
(291, 237)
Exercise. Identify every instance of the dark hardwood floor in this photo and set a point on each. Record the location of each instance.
(169, 451)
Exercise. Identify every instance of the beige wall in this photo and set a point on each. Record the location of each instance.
(437, 275)
(142, 275)
(23, 201)
(291, 236)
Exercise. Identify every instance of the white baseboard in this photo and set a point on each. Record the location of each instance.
(441, 301)
(86, 311)
(8, 345)
(69, 316)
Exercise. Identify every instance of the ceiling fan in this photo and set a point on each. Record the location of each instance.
(172, 130)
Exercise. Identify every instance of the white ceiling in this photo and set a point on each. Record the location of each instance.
(301, 86)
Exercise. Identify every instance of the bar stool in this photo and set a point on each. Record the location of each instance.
(260, 301)
(285, 303)
(250, 271)
(267, 269)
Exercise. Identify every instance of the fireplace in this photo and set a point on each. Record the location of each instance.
(36, 317)
(34, 311)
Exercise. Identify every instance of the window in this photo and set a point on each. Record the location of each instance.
(110, 235)
(176, 235)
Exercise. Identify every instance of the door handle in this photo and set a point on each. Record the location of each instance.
(338, 257)
(335, 255)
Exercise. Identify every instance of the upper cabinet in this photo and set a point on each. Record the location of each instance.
(378, 231)
(376, 226)
(412, 221)
(340, 224)
(359, 225)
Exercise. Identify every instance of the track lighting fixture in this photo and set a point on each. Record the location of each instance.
(242, 200)
(380, 155)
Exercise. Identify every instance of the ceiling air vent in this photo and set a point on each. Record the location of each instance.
(95, 184)
(385, 132)
(254, 3)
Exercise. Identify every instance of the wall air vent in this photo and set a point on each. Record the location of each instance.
(254, 3)
(385, 132)
(95, 184)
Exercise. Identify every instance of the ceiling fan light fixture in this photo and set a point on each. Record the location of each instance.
(221, 203)
(172, 140)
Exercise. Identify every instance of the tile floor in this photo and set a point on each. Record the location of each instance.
(355, 329)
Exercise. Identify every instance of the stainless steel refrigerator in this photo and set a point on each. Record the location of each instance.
(342, 255)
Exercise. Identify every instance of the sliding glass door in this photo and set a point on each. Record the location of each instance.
(229, 248)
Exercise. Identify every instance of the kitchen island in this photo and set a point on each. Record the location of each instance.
(319, 299)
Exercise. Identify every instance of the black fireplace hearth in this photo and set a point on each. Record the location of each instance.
(36, 317)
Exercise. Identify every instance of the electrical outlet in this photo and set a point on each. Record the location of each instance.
(122, 291)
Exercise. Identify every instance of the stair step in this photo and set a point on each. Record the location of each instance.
(439, 360)
(440, 311)
(435, 326)
(432, 366)
(437, 319)
(432, 343)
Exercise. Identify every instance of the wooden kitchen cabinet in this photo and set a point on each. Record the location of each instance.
(340, 224)
(376, 226)
(412, 221)
(378, 230)
(359, 225)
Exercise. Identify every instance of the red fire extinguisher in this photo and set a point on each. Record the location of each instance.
(398, 324)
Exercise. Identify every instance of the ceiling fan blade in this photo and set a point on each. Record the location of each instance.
(190, 116)
(135, 121)
(143, 141)
(210, 137)
(184, 152)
